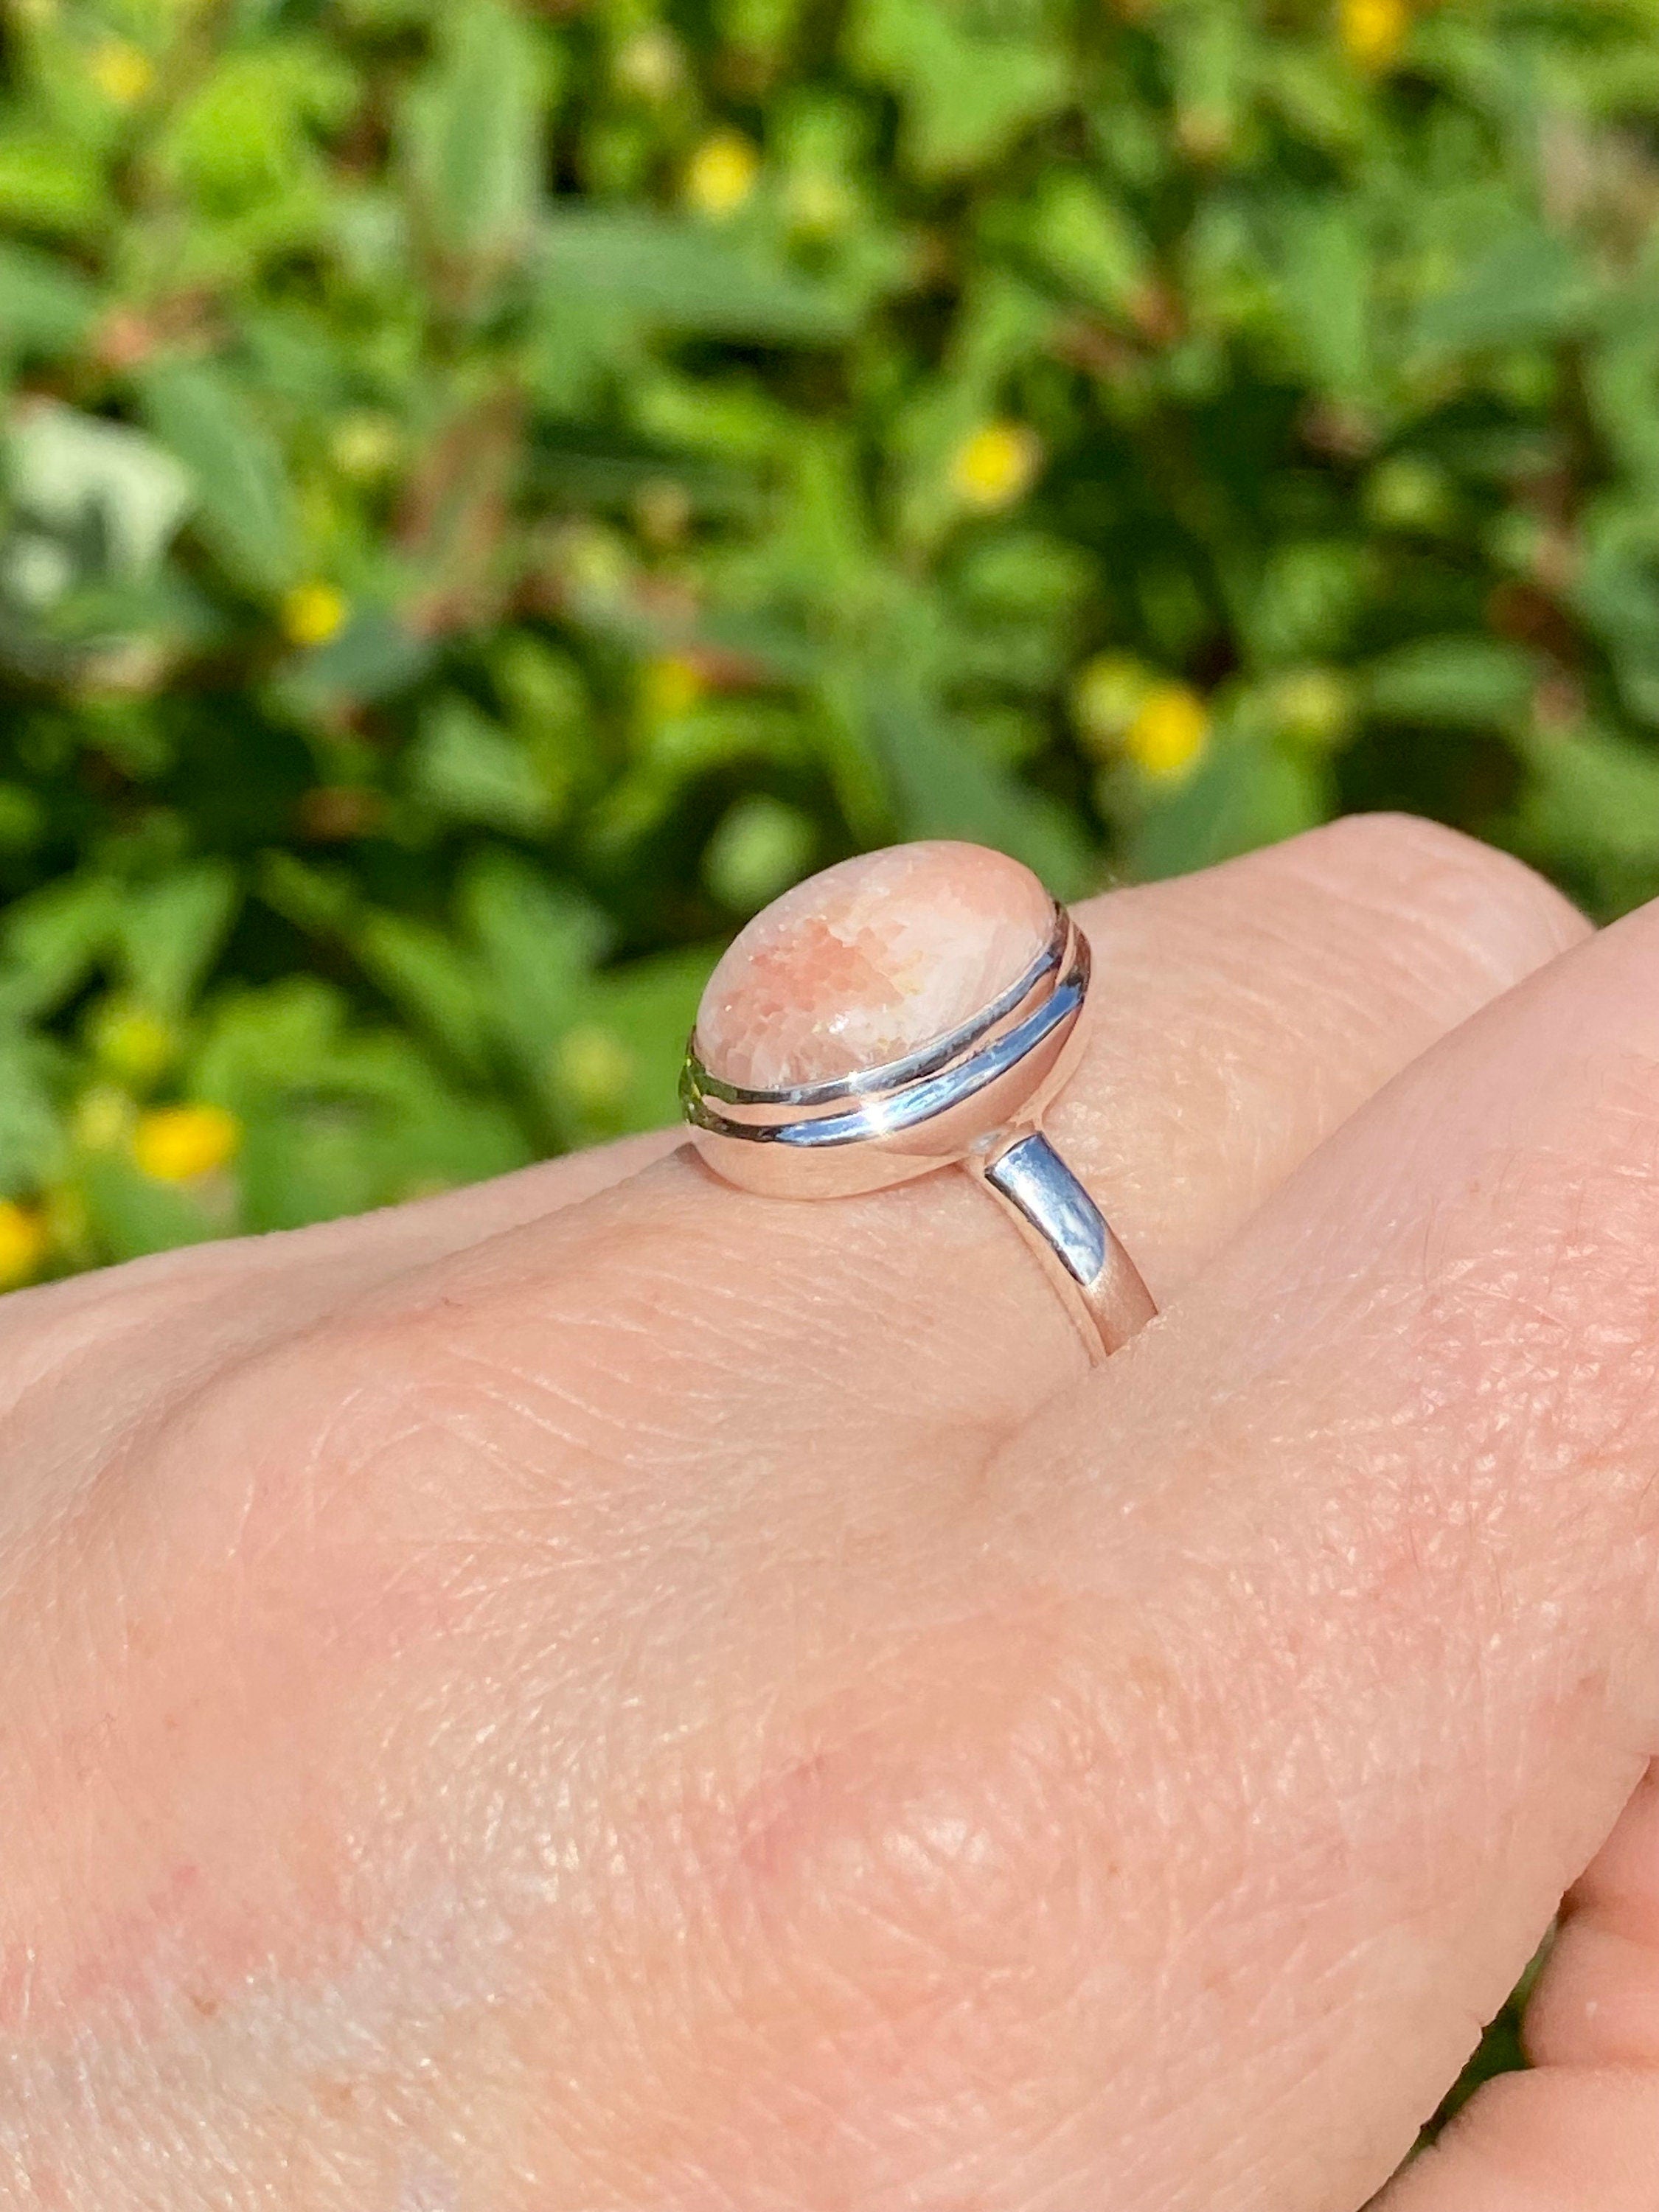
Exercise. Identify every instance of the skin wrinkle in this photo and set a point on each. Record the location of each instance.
(664, 1289)
(582, 1425)
(58, 1369)
(1456, 892)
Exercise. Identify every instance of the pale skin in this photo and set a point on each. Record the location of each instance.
(602, 1692)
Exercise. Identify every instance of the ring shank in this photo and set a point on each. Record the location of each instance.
(1069, 1232)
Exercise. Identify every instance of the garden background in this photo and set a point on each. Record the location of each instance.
(492, 495)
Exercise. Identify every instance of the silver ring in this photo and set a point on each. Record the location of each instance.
(972, 1098)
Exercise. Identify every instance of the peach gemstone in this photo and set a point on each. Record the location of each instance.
(868, 961)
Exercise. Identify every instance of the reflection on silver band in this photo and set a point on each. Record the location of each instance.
(1032, 1177)
(914, 1101)
(907, 1092)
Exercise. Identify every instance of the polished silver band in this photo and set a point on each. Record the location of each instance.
(1073, 1239)
(973, 1098)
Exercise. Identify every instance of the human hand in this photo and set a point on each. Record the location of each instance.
(606, 1691)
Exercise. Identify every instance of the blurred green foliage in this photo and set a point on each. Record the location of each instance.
(493, 493)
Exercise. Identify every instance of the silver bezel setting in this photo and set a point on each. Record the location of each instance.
(962, 1096)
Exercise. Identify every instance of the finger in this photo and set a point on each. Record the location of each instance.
(1243, 1014)
(1564, 2139)
(1247, 1011)
(1365, 1540)
(1082, 1839)
(1597, 2002)
(1581, 2133)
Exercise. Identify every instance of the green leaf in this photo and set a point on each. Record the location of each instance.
(1621, 376)
(437, 988)
(246, 505)
(1594, 794)
(132, 1216)
(1473, 681)
(760, 847)
(322, 902)
(1529, 288)
(946, 789)
(373, 657)
(1246, 794)
(313, 1157)
(538, 940)
(469, 769)
(474, 135)
(1021, 575)
(617, 1064)
(168, 932)
(966, 93)
(1089, 241)
(51, 941)
(681, 276)
(339, 1118)
(49, 184)
(1617, 592)
(1212, 55)
(260, 1042)
(45, 306)
(1302, 599)
(31, 1145)
(1325, 278)
(240, 137)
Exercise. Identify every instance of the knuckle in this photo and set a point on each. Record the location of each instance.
(1481, 905)
(919, 1874)
(56, 1332)
(948, 1912)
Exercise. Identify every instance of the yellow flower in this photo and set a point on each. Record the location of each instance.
(1170, 735)
(669, 686)
(175, 1144)
(1373, 30)
(996, 465)
(23, 1243)
(120, 71)
(312, 613)
(721, 174)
